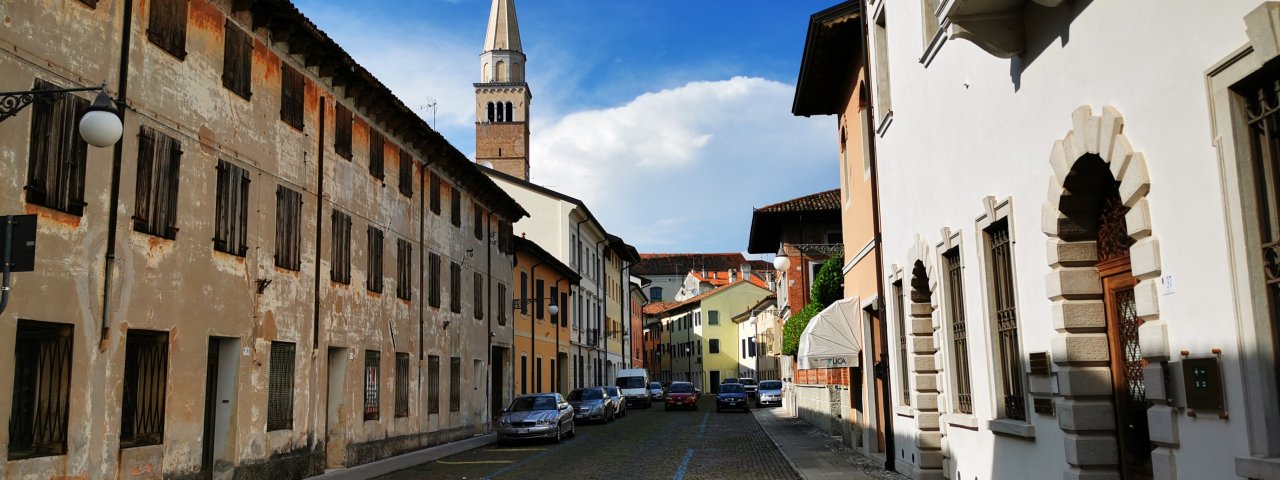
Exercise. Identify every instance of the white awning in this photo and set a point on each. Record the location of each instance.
(832, 338)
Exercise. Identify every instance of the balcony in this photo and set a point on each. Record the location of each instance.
(996, 26)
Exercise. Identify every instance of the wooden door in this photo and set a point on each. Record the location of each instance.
(1128, 389)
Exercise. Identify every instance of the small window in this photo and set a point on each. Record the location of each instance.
(404, 269)
(237, 61)
(744, 348)
(41, 389)
(406, 174)
(455, 384)
(159, 166)
(905, 374)
(564, 309)
(433, 384)
(455, 287)
(477, 287)
(340, 270)
(373, 280)
(288, 229)
(146, 368)
(455, 206)
(524, 293)
(502, 304)
(230, 231)
(55, 173)
(377, 145)
(713, 345)
(655, 294)
(713, 317)
(167, 26)
(292, 91)
(538, 298)
(342, 130)
(560, 310)
(280, 386)
(880, 33)
(435, 193)
(434, 266)
(372, 383)
(478, 220)
(402, 385)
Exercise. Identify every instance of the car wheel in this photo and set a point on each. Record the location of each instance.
(573, 428)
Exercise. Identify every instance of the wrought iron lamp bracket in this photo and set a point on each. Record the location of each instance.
(11, 103)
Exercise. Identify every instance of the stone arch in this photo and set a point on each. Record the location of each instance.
(501, 68)
(1096, 148)
(926, 370)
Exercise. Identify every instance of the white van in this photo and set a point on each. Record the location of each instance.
(634, 384)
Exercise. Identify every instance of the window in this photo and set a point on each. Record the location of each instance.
(959, 336)
(156, 204)
(478, 220)
(744, 348)
(288, 229)
(377, 147)
(402, 385)
(564, 312)
(713, 345)
(292, 89)
(280, 386)
(455, 384)
(237, 61)
(55, 173)
(406, 174)
(455, 206)
(555, 297)
(905, 375)
(929, 18)
(477, 286)
(655, 294)
(1006, 317)
(433, 384)
(502, 304)
(230, 230)
(373, 274)
(41, 390)
(435, 193)
(146, 362)
(434, 266)
(455, 287)
(538, 297)
(404, 269)
(372, 387)
(340, 270)
(524, 293)
(713, 317)
(881, 34)
(167, 26)
(342, 130)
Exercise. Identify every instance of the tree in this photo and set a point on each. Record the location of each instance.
(827, 287)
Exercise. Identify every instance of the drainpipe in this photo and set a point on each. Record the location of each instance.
(315, 317)
(563, 316)
(117, 156)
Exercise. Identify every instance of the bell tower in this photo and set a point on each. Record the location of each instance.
(502, 96)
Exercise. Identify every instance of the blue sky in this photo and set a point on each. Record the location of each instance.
(671, 119)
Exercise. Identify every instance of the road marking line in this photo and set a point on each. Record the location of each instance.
(480, 462)
(517, 449)
(703, 428)
(521, 463)
(683, 465)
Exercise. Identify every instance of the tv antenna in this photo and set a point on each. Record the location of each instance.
(431, 104)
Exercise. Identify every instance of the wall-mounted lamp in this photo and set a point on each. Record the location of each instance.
(519, 304)
(100, 126)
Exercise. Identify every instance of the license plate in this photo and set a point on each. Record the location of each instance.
(521, 430)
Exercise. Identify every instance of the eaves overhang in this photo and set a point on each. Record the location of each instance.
(833, 52)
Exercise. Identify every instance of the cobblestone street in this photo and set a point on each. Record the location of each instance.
(650, 444)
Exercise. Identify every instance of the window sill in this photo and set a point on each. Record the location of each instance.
(904, 411)
(1013, 428)
(883, 125)
(1259, 468)
(963, 420)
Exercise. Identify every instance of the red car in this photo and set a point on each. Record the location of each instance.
(682, 395)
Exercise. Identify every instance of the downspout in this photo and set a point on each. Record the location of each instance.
(315, 317)
(563, 316)
(117, 157)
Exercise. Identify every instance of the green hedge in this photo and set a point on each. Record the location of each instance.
(826, 289)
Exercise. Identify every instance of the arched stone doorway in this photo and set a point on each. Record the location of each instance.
(926, 371)
(1105, 265)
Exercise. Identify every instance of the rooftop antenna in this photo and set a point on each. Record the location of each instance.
(431, 104)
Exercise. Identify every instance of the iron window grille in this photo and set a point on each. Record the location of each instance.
(340, 270)
(237, 61)
(1261, 96)
(455, 206)
(433, 264)
(374, 280)
(372, 383)
(1003, 290)
(231, 227)
(477, 288)
(377, 147)
(41, 389)
(455, 384)
(55, 173)
(433, 384)
(156, 204)
(959, 335)
(292, 92)
(167, 26)
(404, 269)
(145, 379)
(898, 293)
(402, 385)
(280, 386)
(455, 287)
(288, 229)
(406, 174)
(342, 130)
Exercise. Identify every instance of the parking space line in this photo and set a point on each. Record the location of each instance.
(684, 464)
(521, 463)
(477, 462)
(517, 449)
(703, 427)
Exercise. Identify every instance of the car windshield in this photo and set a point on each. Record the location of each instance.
(747, 381)
(655, 385)
(613, 391)
(682, 388)
(526, 404)
(730, 380)
(631, 382)
(580, 395)
(731, 388)
(771, 385)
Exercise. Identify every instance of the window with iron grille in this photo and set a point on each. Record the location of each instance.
(905, 374)
(372, 383)
(377, 147)
(538, 298)
(402, 385)
(230, 232)
(478, 220)
(55, 173)
(1259, 94)
(455, 287)
(477, 288)
(455, 384)
(373, 273)
(433, 264)
(455, 206)
(435, 193)
(959, 333)
(340, 270)
(237, 61)
(41, 389)
(342, 130)
(406, 174)
(502, 304)
(156, 202)
(404, 269)
(288, 229)
(292, 91)
(167, 26)
(146, 368)
(433, 384)
(280, 386)
(1006, 318)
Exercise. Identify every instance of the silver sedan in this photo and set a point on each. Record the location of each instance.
(536, 416)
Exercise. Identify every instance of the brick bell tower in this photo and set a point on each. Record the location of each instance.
(502, 96)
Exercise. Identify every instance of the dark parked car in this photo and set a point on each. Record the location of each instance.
(749, 384)
(732, 395)
(591, 404)
(536, 416)
(619, 402)
(770, 393)
(682, 395)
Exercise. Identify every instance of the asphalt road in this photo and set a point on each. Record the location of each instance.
(646, 444)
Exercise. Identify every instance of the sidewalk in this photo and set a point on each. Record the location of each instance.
(810, 455)
(401, 462)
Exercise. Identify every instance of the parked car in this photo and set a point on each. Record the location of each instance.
(770, 393)
(682, 395)
(749, 384)
(619, 403)
(536, 416)
(728, 381)
(655, 391)
(591, 404)
(732, 395)
(633, 382)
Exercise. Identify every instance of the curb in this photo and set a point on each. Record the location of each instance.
(786, 457)
(400, 462)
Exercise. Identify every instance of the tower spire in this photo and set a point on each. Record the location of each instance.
(503, 32)
(502, 96)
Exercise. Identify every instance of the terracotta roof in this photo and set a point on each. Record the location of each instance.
(661, 307)
(828, 200)
(682, 263)
(658, 307)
